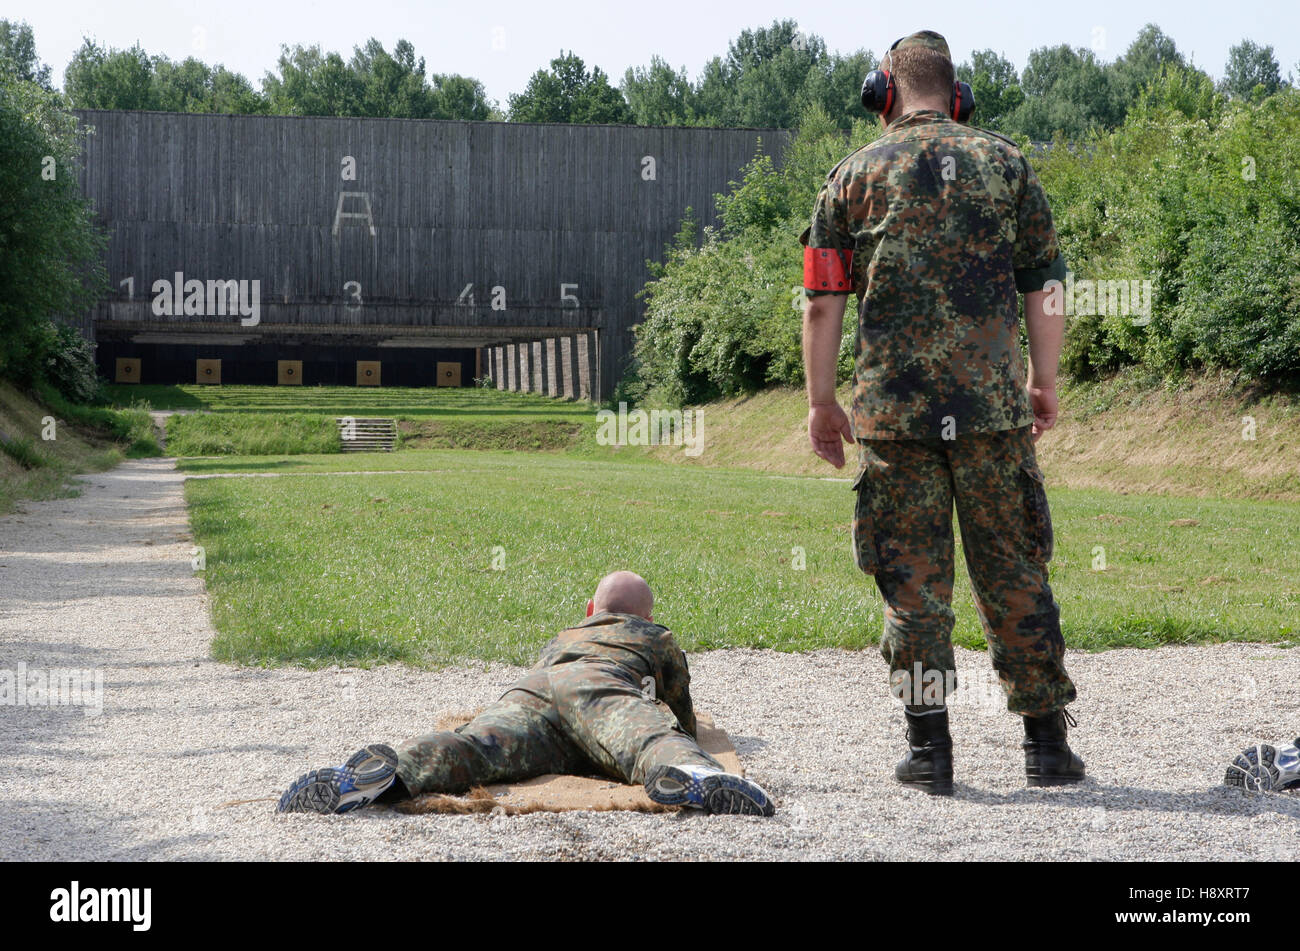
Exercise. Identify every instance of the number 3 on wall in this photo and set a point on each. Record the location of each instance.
(355, 288)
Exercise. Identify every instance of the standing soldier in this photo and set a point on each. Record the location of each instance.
(935, 226)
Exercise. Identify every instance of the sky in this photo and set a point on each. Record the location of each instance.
(503, 43)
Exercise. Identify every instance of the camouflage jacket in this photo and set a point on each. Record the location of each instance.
(945, 223)
(635, 644)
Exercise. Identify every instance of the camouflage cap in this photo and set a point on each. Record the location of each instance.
(927, 38)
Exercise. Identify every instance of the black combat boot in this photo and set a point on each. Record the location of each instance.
(1048, 760)
(928, 763)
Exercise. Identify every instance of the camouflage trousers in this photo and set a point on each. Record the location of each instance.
(902, 534)
(577, 718)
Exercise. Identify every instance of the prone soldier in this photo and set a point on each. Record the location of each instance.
(581, 709)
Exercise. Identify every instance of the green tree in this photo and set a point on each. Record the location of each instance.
(834, 84)
(391, 85)
(312, 83)
(993, 80)
(1251, 67)
(18, 54)
(52, 261)
(233, 93)
(657, 94)
(1187, 90)
(459, 97)
(722, 318)
(194, 86)
(99, 78)
(567, 92)
(1067, 91)
(181, 87)
(760, 82)
(1146, 59)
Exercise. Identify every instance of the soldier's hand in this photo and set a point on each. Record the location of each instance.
(828, 424)
(1045, 406)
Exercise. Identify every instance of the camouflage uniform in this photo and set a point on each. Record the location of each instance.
(941, 224)
(586, 707)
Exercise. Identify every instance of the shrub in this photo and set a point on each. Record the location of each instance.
(1197, 194)
(23, 451)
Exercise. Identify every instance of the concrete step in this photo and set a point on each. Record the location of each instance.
(369, 434)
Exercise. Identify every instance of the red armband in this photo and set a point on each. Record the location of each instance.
(825, 269)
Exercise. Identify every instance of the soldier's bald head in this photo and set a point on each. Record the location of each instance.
(623, 592)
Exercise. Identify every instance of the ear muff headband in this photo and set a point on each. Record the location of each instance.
(879, 90)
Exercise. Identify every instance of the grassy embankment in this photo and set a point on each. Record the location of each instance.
(84, 439)
(257, 421)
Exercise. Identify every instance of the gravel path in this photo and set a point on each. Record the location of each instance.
(104, 582)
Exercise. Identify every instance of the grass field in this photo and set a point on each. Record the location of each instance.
(315, 568)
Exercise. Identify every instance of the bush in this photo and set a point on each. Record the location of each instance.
(723, 318)
(61, 357)
(1198, 195)
(1202, 197)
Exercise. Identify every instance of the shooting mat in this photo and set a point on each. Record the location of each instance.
(556, 793)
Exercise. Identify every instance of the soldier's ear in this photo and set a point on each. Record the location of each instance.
(591, 607)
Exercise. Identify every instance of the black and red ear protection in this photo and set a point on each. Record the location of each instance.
(878, 93)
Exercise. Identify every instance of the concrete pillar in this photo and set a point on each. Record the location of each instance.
(552, 367)
(543, 367)
(569, 362)
(583, 380)
(590, 366)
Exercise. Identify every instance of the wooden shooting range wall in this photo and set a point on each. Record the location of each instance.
(508, 249)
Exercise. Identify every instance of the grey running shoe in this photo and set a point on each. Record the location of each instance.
(343, 788)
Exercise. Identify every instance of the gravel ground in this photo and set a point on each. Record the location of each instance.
(104, 582)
